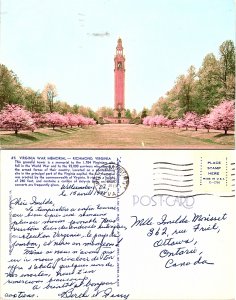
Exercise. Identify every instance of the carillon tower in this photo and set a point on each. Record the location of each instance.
(119, 72)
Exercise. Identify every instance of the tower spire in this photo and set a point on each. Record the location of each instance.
(119, 47)
(119, 73)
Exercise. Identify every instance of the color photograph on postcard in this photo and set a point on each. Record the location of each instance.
(117, 74)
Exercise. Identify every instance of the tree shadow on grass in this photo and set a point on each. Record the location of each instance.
(26, 137)
(60, 130)
(2, 139)
(72, 129)
(222, 134)
(41, 134)
(66, 130)
(8, 137)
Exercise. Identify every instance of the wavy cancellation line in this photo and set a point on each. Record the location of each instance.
(168, 163)
(182, 175)
(173, 184)
(188, 196)
(169, 190)
(233, 186)
(233, 179)
(175, 180)
(166, 168)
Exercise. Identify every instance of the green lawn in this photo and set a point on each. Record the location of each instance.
(117, 136)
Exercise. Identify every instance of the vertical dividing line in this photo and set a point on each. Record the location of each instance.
(118, 225)
(118, 246)
(201, 171)
(226, 171)
(10, 222)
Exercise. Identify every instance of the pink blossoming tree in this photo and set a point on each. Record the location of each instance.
(223, 116)
(15, 117)
(157, 120)
(72, 119)
(180, 123)
(39, 119)
(80, 120)
(191, 119)
(55, 120)
(206, 122)
(146, 120)
(171, 123)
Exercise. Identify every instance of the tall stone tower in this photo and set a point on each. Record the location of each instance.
(119, 72)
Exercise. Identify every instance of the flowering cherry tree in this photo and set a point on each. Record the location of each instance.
(15, 117)
(152, 122)
(80, 120)
(72, 119)
(180, 123)
(171, 122)
(155, 120)
(55, 120)
(191, 119)
(91, 121)
(64, 121)
(160, 120)
(205, 122)
(87, 121)
(223, 116)
(39, 119)
(146, 120)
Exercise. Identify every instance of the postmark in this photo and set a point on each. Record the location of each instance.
(111, 180)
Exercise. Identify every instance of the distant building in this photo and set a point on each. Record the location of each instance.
(119, 86)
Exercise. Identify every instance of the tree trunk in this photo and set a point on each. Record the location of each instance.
(225, 131)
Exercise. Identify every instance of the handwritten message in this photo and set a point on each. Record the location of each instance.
(72, 250)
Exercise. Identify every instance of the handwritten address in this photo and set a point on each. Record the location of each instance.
(175, 239)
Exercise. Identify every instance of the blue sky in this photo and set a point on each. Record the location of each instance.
(71, 43)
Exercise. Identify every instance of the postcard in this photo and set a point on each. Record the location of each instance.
(117, 138)
(93, 224)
